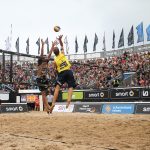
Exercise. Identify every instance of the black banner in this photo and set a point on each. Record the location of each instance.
(88, 108)
(145, 93)
(103, 94)
(125, 93)
(13, 108)
(142, 109)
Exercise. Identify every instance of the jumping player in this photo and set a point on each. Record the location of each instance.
(65, 75)
(42, 73)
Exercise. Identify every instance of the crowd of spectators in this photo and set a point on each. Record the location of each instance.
(109, 72)
(89, 74)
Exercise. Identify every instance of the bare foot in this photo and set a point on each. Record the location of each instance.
(51, 108)
(47, 110)
(68, 103)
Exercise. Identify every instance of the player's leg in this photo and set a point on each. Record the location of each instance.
(71, 85)
(59, 82)
(45, 101)
(56, 92)
(70, 91)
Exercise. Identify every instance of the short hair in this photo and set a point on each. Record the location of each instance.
(42, 59)
(56, 51)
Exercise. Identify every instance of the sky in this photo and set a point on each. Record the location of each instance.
(37, 18)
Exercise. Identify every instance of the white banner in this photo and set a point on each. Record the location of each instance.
(62, 108)
(4, 96)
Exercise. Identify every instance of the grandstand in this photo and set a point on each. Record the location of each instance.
(123, 68)
(118, 68)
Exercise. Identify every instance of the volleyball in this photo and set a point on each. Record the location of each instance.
(56, 28)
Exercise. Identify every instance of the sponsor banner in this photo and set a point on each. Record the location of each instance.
(96, 94)
(145, 93)
(13, 108)
(118, 109)
(88, 108)
(75, 96)
(142, 109)
(4, 96)
(124, 93)
(62, 108)
(29, 98)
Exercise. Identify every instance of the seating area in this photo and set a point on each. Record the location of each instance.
(89, 74)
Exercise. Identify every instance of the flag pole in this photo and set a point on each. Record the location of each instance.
(10, 36)
(133, 40)
(143, 37)
(133, 47)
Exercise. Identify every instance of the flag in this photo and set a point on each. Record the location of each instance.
(131, 37)
(121, 40)
(38, 43)
(76, 45)
(8, 41)
(17, 45)
(95, 42)
(27, 47)
(85, 44)
(104, 44)
(8, 44)
(113, 43)
(11, 32)
(140, 33)
(148, 33)
(66, 42)
(47, 43)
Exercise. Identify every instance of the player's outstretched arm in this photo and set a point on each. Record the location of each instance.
(52, 48)
(61, 43)
(42, 47)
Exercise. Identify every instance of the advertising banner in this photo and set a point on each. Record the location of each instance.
(103, 94)
(118, 109)
(29, 98)
(142, 109)
(4, 96)
(75, 95)
(62, 108)
(13, 108)
(88, 108)
(125, 93)
(145, 93)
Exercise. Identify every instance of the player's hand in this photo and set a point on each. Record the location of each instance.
(60, 40)
(55, 43)
(42, 42)
(60, 37)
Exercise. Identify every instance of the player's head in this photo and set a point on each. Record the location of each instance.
(56, 51)
(42, 59)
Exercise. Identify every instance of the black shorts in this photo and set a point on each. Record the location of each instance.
(43, 84)
(66, 77)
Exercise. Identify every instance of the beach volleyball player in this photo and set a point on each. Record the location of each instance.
(42, 73)
(65, 74)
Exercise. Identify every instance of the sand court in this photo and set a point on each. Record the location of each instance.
(74, 131)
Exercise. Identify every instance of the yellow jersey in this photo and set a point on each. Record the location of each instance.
(62, 63)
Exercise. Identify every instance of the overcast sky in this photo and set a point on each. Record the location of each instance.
(36, 18)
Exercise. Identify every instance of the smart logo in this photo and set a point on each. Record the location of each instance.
(142, 109)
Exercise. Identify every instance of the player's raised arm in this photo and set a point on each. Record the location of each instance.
(61, 43)
(42, 48)
(52, 48)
